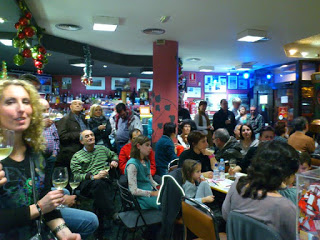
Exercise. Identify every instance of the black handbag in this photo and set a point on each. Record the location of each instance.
(43, 232)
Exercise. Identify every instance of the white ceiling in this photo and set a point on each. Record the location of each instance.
(205, 29)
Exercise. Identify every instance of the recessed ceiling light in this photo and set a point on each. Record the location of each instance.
(68, 27)
(105, 66)
(206, 68)
(293, 51)
(193, 59)
(2, 20)
(105, 23)
(251, 35)
(154, 31)
(78, 62)
(244, 67)
(304, 54)
(6, 42)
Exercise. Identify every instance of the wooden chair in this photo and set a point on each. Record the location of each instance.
(199, 220)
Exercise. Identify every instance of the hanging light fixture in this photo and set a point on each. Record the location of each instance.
(86, 79)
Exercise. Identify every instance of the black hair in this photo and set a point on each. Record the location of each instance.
(266, 129)
(273, 163)
(120, 107)
(280, 128)
(305, 158)
(133, 131)
(300, 123)
(203, 103)
(253, 136)
(169, 128)
(223, 99)
(29, 77)
(194, 137)
(185, 123)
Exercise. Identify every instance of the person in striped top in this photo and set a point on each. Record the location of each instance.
(89, 166)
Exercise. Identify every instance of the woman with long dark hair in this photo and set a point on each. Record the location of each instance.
(247, 138)
(257, 196)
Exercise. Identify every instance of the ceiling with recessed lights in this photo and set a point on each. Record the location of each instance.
(206, 30)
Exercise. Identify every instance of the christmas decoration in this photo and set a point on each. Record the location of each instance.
(3, 74)
(26, 31)
(86, 79)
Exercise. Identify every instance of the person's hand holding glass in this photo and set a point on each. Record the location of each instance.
(60, 179)
(6, 143)
(53, 113)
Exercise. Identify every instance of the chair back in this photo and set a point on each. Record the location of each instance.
(128, 200)
(173, 164)
(199, 220)
(242, 227)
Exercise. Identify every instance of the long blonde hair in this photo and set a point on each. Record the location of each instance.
(32, 136)
(92, 109)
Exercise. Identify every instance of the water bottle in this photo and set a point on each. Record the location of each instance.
(216, 174)
(222, 167)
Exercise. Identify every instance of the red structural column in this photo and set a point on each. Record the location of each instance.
(165, 86)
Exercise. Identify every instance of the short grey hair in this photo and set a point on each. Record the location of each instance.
(222, 134)
(81, 137)
(236, 100)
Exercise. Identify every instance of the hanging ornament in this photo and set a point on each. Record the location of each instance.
(16, 42)
(38, 64)
(42, 50)
(24, 21)
(3, 74)
(86, 79)
(40, 71)
(28, 15)
(19, 60)
(29, 32)
(17, 25)
(21, 35)
(26, 53)
(40, 57)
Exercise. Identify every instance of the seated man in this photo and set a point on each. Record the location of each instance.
(266, 134)
(88, 165)
(228, 147)
(124, 155)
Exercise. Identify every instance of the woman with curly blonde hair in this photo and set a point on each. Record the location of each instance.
(20, 111)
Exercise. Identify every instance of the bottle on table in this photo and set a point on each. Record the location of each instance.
(222, 167)
(216, 174)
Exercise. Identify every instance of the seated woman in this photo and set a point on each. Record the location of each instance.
(242, 118)
(165, 148)
(256, 194)
(100, 126)
(21, 112)
(141, 183)
(183, 137)
(247, 138)
(280, 130)
(198, 151)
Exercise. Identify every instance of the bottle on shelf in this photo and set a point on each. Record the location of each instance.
(222, 167)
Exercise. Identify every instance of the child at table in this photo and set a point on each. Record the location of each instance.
(191, 172)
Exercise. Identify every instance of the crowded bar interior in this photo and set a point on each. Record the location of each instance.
(159, 119)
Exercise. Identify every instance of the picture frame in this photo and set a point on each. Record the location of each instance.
(120, 83)
(214, 83)
(213, 100)
(232, 82)
(243, 83)
(98, 83)
(145, 84)
(194, 92)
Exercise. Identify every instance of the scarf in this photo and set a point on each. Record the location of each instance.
(130, 117)
(203, 113)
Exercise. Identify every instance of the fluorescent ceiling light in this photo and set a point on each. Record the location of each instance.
(293, 51)
(206, 68)
(146, 72)
(304, 54)
(78, 62)
(105, 23)
(251, 35)
(6, 42)
(244, 67)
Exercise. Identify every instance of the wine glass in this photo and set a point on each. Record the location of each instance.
(6, 143)
(60, 179)
(104, 124)
(74, 183)
(232, 164)
(53, 114)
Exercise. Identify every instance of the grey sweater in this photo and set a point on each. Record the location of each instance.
(278, 213)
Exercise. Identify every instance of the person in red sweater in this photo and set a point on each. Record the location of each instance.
(124, 154)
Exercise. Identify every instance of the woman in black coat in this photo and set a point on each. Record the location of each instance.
(100, 126)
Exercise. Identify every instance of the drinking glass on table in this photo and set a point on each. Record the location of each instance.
(60, 179)
(53, 114)
(74, 183)
(6, 142)
(232, 165)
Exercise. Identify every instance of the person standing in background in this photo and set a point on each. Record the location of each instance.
(256, 121)
(236, 102)
(203, 123)
(224, 118)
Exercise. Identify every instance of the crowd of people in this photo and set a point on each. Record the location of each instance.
(269, 157)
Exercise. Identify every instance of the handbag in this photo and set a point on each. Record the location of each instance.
(43, 232)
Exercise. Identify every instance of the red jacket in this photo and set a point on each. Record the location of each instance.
(124, 157)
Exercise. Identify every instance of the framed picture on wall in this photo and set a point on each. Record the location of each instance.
(243, 83)
(213, 100)
(232, 82)
(120, 83)
(145, 84)
(98, 83)
(214, 83)
(194, 92)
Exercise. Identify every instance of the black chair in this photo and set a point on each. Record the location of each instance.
(131, 214)
(200, 220)
(173, 164)
(242, 227)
